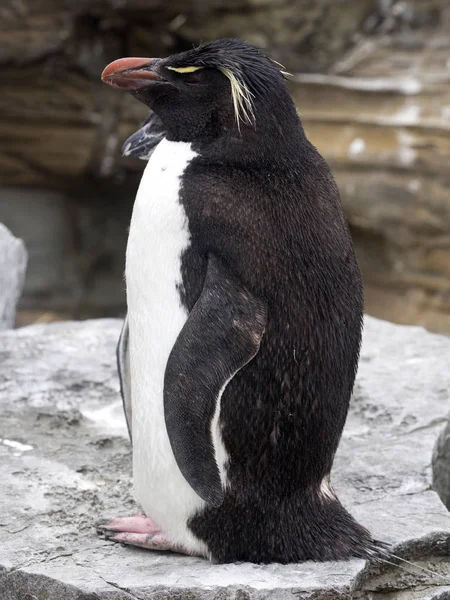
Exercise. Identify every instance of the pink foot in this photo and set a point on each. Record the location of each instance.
(136, 524)
(138, 530)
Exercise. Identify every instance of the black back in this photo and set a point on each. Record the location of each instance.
(278, 225)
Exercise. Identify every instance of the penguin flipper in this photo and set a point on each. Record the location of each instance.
(142, 143)
(222, 334)
(123, 366)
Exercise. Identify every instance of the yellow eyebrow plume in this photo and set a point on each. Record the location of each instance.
(242, 99)
(184, 69)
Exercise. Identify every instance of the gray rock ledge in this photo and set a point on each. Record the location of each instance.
(13, 264)
(65, 461)
(441, 465)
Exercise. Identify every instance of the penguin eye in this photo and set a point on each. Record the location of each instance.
(193, 81)
(194, 78)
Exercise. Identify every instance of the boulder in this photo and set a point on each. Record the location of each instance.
(13, 264)
(441, 466)
(65, 461)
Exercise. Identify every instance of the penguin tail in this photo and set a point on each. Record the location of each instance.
(286, 528)
(327, 531)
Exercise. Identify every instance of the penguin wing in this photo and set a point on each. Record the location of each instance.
(222, 334)
(142, 143)
(123, 365)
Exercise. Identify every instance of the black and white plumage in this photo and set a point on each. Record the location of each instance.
(241, 344)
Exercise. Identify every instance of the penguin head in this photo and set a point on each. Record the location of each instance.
(220, 88)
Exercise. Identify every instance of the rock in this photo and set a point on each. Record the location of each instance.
(441, 466)
(371, 82)
(13, 264)
(65, 461)
(381, 117)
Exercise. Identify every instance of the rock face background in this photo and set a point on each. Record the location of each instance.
(372, 83)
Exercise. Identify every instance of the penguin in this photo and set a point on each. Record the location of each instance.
(245, 302)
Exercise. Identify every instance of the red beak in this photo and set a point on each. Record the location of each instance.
(131, 74)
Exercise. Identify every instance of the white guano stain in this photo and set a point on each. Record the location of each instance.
(16, 445)
(109, 418)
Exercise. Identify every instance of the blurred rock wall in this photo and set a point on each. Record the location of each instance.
(372, 84)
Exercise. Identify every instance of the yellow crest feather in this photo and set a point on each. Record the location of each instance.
(185, 69)
(242, 98)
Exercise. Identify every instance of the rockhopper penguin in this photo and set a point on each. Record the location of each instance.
(245, 304)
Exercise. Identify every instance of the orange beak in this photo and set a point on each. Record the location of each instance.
(131, 74)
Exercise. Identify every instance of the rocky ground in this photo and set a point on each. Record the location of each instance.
(372, 84)
(65, 462)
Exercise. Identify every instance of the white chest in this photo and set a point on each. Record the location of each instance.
(159, 233)
(159, 230)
